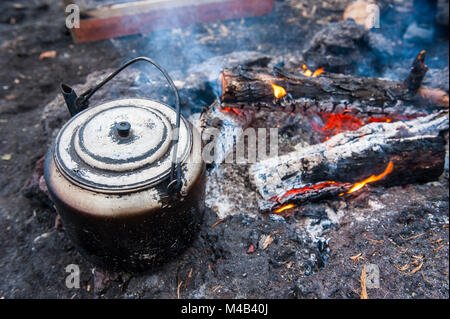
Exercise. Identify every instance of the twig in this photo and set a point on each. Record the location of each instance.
(363, 294)
(357, 258)
(218, 222)
(375, 241)
(423, 276)
(403, 268)
(217, 288)
(416, 269)
(178, 289)
(412, 237)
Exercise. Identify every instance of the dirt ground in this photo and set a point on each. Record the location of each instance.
(402, 230)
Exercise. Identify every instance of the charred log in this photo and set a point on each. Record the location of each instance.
(313, 193)
(252, 87)
(416, 149)
(417, 73)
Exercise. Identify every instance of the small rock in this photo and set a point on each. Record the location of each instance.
(372, 276)
(338, 47)
(7, 157)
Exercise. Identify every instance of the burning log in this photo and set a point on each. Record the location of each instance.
(302, 91)
(397, 153)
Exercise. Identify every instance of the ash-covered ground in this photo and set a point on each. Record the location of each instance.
(318, 252)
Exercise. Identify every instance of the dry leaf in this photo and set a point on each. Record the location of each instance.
(47, 55)
(267, 241)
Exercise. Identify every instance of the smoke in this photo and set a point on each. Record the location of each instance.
(406, 28)
(193, 54)
(179, 39)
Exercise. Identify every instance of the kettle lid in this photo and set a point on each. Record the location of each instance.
(121, 146)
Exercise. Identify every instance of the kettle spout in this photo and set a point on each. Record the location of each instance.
(70, 97)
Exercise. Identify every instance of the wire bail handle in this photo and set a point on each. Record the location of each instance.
(81, 102)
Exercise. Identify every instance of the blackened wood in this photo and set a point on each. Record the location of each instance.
(251, 87)
(417, 73)
(297, 198)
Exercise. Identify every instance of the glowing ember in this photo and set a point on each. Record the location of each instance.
(283, 208)
(371, 179)
(336, 123)
(230, 109)
(373, 119)
(308, 73)
(278, 91)
(304, 189)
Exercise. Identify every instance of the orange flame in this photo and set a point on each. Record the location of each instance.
(283, 208)
(373, 119)
(307, 72)
(317, 72)
(336, 123)
(371, 179)
(278, 91)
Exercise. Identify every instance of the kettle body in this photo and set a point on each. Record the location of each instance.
(128, 181)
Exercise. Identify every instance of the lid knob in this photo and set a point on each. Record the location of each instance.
(123, 129)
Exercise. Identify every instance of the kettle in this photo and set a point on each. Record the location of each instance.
(127, 178)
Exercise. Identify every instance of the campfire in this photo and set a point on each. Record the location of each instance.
(320, 136)
(373, 130)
